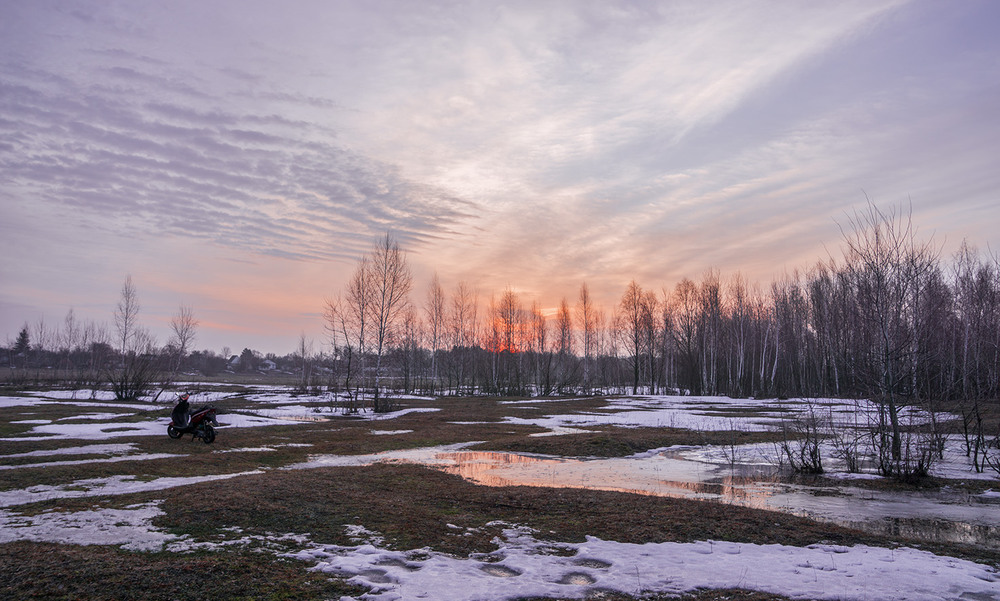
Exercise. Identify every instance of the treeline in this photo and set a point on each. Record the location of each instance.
(888, 321)
(887, 318)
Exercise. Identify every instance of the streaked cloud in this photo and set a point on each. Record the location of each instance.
(218, 147)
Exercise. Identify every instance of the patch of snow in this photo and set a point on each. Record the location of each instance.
(95, 431)
(142, 457)
(98, 487)
(130, 528)
(708, 413)
(31, 401)
(559, 431)
(541, 401)
(853, 476)
(240, 420)
(97, 416)
(372, 416)
(92, 449)
(80, 393)
(390, 432)
(521, 568)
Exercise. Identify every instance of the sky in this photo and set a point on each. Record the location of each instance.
(238, 156)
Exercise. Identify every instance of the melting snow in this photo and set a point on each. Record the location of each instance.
(99, 487)
(521, 567)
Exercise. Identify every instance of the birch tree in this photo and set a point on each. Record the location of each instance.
(464, 331)
(390, 280)
(183, 328)
(631, 316)
(434, 308)
(564, 344)
(586, 315)
(137, 366)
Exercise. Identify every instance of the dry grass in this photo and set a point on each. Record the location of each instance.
(72, 573)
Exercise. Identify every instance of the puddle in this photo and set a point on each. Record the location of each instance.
(931, 516)
(938, 516)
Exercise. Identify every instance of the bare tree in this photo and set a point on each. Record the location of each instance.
(540, 349)
(303, 353)
(586, 315)
(631, 316)
(348, 323)
(710, 328)
(69, 340)
(435, 310)
(564, 345)
(887, 267)
(344, 339)
(138, 363)
(464, 332)
(650, 310)
(977, 304)
(682, 319)
(507, 342)
(42, 337)
(409, 343)
(390, 281)
(183, 329)
(741, 325)
(127, 316)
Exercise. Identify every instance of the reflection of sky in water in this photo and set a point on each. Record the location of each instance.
(930, 515)
(689, 472)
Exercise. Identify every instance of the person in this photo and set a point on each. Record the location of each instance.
(180, 413)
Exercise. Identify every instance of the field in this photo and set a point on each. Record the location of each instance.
(296, 500)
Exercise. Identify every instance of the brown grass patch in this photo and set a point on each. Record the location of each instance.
(70, 572)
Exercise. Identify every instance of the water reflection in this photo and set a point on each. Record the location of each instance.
(934, 530)
(936, 516)
(662, 475)
(939, 516)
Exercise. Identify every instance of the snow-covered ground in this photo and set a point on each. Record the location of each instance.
(704, 413)
(523, 565)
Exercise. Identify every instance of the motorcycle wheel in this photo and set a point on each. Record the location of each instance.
(173, 432)
(208, 435)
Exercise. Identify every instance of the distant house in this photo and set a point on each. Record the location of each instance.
(268, 365)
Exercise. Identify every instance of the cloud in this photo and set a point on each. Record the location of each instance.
(537, 145)
(260, 182)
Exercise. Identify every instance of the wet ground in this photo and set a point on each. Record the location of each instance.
(943, 515)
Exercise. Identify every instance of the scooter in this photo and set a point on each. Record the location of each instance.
(198, 423)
